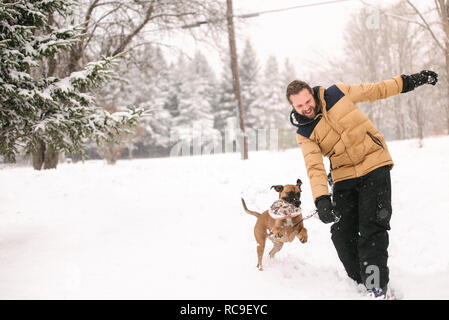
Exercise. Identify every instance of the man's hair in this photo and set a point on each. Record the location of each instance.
(295, 87)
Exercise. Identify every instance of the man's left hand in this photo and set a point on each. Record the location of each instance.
(429, 77)
(412, 81)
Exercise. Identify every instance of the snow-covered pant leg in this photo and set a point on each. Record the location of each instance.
(374, 221)
(345, 232)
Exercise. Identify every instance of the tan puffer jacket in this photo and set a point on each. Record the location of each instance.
(343, 133)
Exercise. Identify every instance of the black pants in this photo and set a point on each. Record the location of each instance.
(361, 236)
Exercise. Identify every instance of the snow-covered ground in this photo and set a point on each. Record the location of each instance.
(174, 229)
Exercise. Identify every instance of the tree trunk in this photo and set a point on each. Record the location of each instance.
(444, 14)
(400, 128)
(51, 158)
(44, 156)
(38, 155)
(419, 123)
(235, 76)
(447, 77)
(111, 152)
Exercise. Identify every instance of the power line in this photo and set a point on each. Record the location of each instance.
(256, 14)
(251, 15)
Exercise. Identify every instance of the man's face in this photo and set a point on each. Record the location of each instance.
(304, 103)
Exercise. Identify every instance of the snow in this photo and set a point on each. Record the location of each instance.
(174, 228)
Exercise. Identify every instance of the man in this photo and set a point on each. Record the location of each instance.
(330, 124)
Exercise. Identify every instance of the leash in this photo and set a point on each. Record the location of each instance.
(337, 218)
(306, 217)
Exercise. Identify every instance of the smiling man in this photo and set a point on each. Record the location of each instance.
(304, 102)
(330, 124)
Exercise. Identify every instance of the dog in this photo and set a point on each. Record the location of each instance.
(278, 230)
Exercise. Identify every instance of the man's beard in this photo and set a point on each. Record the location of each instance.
(315, 112)
(317, 108)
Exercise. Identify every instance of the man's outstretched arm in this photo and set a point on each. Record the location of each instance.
(372, 91)
(384, 89)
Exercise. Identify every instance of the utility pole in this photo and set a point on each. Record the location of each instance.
(235, 76)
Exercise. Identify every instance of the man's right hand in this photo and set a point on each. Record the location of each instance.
(325, 209)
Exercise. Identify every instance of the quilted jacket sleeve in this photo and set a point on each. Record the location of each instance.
(315, 167)
(372, 91)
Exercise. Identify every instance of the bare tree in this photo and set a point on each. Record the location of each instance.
(375, 52)
(440, 40)
(111, 28)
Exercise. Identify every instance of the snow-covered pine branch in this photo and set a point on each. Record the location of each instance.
(36, 109)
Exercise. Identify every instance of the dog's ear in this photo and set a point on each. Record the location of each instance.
(278, 188)
(299, 182)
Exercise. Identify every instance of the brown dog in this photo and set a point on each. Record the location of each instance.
(278, 230)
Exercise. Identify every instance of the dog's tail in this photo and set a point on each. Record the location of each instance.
(254, 213)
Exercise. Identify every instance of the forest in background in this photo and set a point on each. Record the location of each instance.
(189, 102)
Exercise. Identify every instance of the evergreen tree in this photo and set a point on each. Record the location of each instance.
(157, 127)
(172, 90)
(271, 109)
(225, 111)
(287, 137)
(206, 75)
(143, 83)
(288, 74)
(195, 109)
(39, 112)
(250, 83)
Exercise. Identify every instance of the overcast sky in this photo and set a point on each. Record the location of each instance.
(304, 35)
(298, 34)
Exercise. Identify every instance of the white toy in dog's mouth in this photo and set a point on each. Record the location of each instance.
(281, 209)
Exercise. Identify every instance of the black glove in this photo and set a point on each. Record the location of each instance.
(326, 211)
(418, 79)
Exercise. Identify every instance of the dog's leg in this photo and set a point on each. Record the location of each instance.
(261, 238)
(276, 247)
(302, 235)
(260, 250)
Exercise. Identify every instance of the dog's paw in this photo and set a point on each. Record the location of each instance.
(302, 236)
(260, 267)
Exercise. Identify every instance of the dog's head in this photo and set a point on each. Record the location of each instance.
(290, 193)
